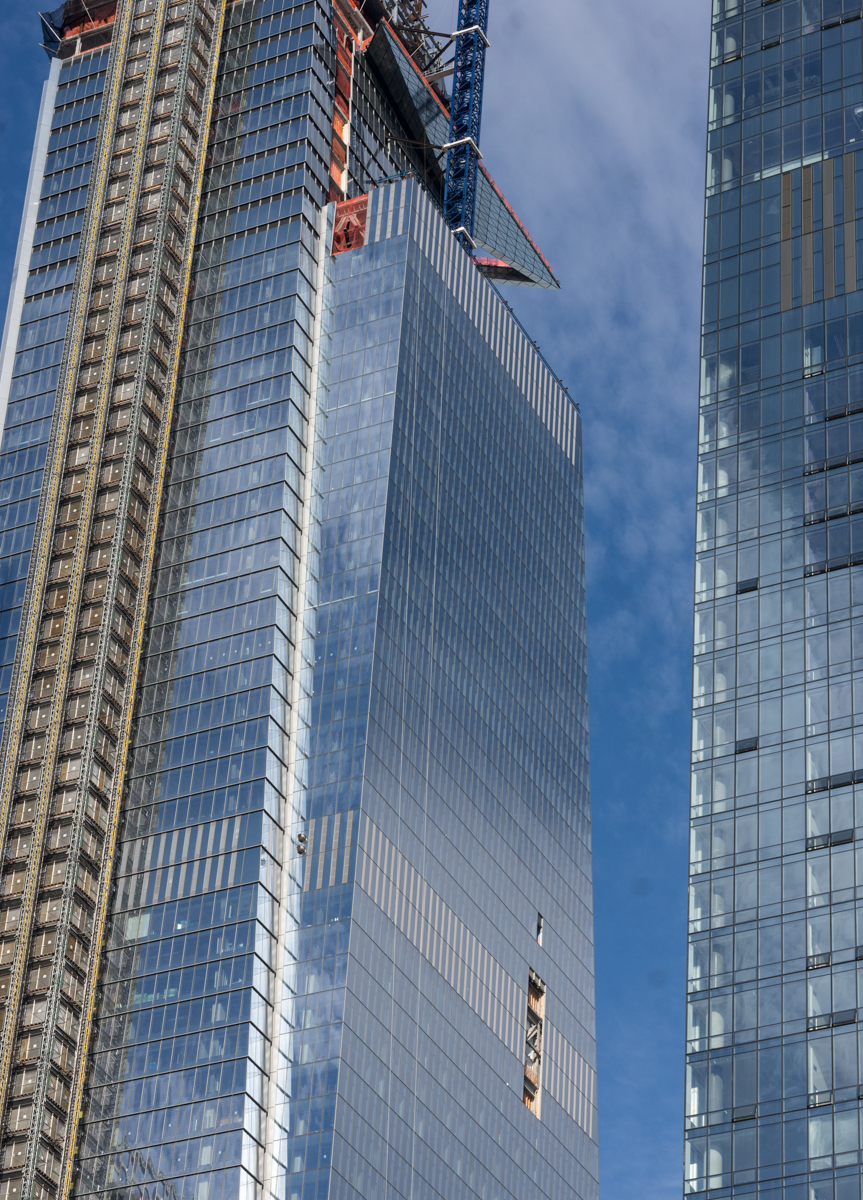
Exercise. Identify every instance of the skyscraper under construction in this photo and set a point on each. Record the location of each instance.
(296, 895)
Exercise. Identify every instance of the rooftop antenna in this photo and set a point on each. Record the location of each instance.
(471, 42)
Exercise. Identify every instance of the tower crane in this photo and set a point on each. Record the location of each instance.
(462, 146)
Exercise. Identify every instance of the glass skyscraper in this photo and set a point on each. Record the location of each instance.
(296, 889)
(776, 929)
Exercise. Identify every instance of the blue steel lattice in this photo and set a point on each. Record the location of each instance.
(465, 118)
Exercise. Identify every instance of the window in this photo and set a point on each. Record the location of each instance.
(533, 1037)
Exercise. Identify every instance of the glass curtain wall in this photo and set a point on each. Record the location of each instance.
(48, 292)
(773, 1072)
(179, 1087)
(474, 802)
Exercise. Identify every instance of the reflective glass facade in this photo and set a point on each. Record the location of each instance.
(70, 106)
(348, 915)
(773, 1075)
(473, 810)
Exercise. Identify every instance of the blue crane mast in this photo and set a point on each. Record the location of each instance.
(462, 148)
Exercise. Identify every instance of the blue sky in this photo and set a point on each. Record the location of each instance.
(594, 128)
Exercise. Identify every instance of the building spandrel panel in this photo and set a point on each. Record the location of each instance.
(264, 774)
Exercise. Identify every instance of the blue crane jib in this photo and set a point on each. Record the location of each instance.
(462, 146)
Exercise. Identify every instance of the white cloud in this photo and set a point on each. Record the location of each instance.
(593, 126)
